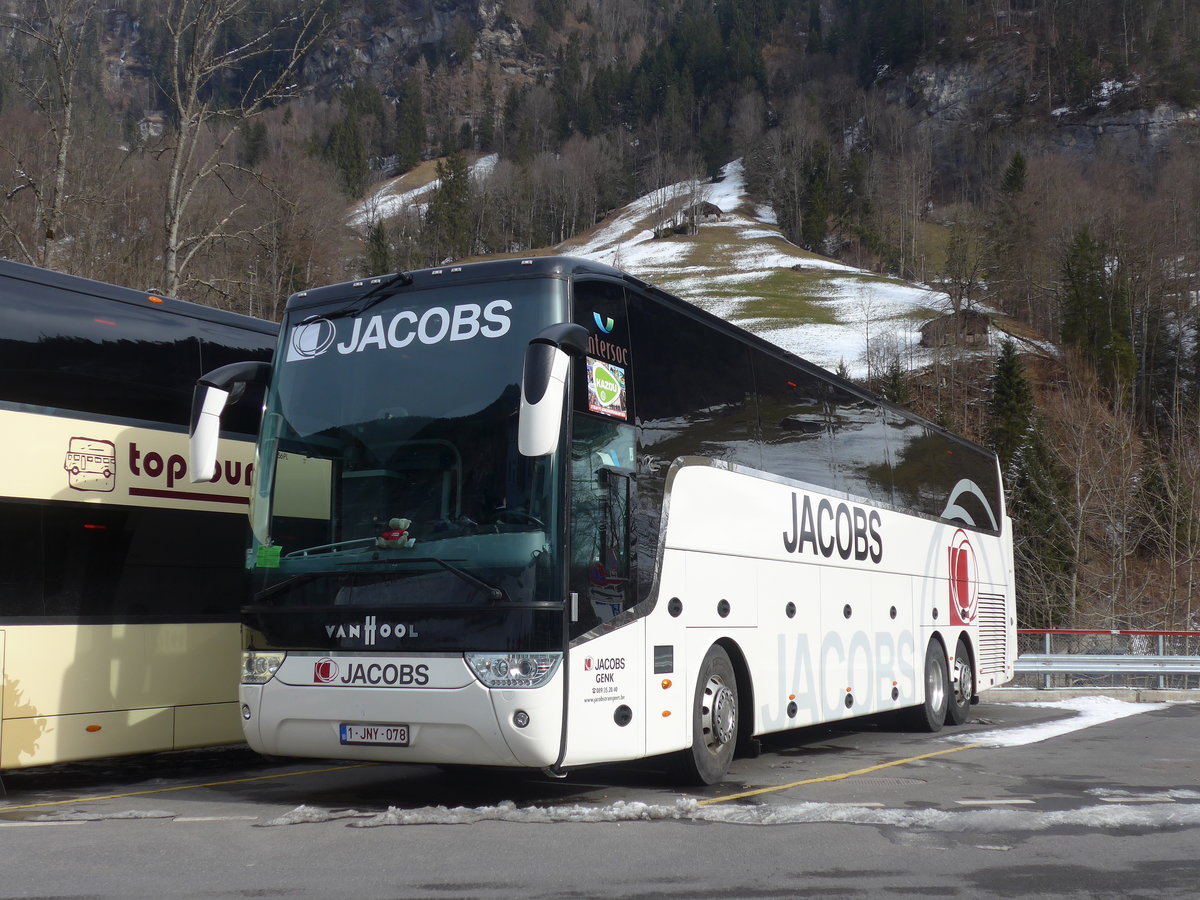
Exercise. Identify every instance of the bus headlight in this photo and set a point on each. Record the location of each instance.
(513, 670)
(259, 667)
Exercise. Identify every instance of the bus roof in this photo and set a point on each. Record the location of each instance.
(35, 279)
(493, 270)
(569, 266)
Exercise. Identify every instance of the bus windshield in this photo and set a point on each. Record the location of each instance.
(388, 470)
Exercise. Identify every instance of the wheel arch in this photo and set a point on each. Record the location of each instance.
(935, 635)
(745, 688)
(964, 636)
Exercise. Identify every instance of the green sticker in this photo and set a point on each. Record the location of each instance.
(608, 389)
(267, 557)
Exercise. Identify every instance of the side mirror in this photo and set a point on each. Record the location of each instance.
(209, 399)
(544, 386)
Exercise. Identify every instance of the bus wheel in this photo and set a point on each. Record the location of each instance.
(714, 720)
(963, 687)
(931, 715)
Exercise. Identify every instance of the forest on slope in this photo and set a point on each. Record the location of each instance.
(1033, 158)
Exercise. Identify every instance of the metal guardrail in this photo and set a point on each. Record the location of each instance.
(1148, 659)
(1105, 664)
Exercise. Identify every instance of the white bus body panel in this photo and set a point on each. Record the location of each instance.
(854, 645)
(452, 718)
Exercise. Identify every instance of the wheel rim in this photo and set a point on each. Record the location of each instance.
(935, 684)
(963, 678)
(718, 713)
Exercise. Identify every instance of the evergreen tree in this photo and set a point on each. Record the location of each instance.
(252, 146)
(379, 250)
(410, 124)
(1036, 494)
(1013, 181)
(1010, 407)
(365, 103)
(714, 141)
(1043, 558)
(1095, 310)
(448, 219)
(895, 386)
(818, 196)
(347, 152)
(486, 133)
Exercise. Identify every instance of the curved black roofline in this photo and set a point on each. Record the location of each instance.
(567, 266)
(48, 278)
(517, 267)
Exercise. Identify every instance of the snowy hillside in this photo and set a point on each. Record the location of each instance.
(737, 265)
(740, 267)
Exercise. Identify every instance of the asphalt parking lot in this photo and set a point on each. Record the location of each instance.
(1070, 797)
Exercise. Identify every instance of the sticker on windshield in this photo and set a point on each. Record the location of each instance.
(606, 389)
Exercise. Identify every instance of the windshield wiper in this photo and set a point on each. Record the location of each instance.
(384, 289)
(494, 593)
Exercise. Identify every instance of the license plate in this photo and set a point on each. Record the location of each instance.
(381, 735)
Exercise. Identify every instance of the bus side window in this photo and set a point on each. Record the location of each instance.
(793, 422)
(861, 464)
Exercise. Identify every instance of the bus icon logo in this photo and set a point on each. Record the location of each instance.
(310, 339)
(91, 465)
(964, 580)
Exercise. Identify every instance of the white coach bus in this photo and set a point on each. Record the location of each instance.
(539, 513)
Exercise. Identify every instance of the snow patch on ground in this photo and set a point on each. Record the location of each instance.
(1168, 814)
(385, 203)
(74, 815)
(1119, 808)
(1088, 711)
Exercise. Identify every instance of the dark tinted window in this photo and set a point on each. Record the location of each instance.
(939, 476)
(695, 396)
(794, 422)
(695, 389)
(860, 450)
(119, 562)
(599, 306)
(74, 351)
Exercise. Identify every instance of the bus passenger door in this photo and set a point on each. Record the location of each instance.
(602, 548)
(606, 708)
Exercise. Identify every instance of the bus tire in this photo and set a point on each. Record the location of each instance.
(714, 720)
(931, 715)
(962, 688)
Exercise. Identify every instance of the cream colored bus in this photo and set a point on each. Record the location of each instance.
(120, 580)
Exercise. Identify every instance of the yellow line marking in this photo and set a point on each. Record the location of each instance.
(186, 787)
(839, 777)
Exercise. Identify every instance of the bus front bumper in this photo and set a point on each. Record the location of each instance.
(470, 725)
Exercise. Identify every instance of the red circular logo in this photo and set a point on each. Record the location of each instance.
(324, 670)
(964, 578)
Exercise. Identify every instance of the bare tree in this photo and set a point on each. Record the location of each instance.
(1097, 443)
(960, 278)
(56, 31)
(202, 126)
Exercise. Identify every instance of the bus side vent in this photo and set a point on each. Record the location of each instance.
(993, 635)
